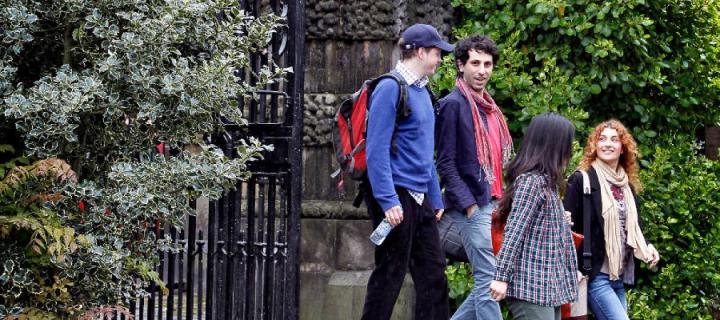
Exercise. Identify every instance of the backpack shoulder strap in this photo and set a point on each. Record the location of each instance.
(587, 251)
(433, 99)
(402, 109)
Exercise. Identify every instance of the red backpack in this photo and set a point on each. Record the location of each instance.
(350, 128)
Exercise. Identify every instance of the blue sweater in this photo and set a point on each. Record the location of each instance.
(412, 166)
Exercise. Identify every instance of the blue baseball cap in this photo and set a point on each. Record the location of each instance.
(424, 36)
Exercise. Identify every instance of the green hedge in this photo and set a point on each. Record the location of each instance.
(655, 65)
(681, 215)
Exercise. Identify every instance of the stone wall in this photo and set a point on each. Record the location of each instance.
(319, 112)
(438, 13)
(337, 260)
(373, 20)
(348, 42)
(341, 66)
(356, 20)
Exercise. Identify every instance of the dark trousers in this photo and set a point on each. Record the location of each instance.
(413, 244)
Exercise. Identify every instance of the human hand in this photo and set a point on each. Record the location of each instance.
(470, 210)
(394, 215)
(439, 214)
(580, 276)
(498, 289)
(568, 218)
(654, 258)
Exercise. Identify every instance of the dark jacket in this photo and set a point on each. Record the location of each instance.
(457, 163)
(573, 202)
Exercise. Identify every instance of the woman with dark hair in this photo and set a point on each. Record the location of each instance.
(536, 265)
(610, 161)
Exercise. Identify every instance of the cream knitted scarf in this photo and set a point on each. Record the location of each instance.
(635, 238)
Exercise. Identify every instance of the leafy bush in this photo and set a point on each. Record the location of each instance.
(653, 64)
(460, 282)
(69, 246)
(680, 208)
(92, 87)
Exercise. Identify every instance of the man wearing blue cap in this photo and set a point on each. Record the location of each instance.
(404, 183)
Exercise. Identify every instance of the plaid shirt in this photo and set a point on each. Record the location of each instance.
(537, 257)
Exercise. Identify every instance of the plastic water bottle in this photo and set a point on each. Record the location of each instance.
(381, 232)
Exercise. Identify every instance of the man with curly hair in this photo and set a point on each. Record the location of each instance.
(473, 143)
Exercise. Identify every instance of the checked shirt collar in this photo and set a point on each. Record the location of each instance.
(411, 77)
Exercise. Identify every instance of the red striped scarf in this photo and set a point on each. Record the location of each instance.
(482, 145)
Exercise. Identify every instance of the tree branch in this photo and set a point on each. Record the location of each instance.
(67, 45)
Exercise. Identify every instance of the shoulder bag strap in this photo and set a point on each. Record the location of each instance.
(587, 253)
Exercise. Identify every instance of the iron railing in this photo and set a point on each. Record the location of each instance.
(243, 261)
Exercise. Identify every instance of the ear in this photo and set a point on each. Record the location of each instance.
(421, 53)
(459, 64)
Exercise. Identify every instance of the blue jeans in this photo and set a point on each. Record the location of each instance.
(607, 298)
(477, 241)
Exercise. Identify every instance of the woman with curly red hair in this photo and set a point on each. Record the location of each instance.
(610, 161)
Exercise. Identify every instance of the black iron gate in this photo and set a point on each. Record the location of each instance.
(243, 261)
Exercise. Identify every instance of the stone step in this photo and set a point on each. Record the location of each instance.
(341, 295)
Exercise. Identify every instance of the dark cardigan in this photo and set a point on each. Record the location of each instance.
(573, 202)
(457, 162)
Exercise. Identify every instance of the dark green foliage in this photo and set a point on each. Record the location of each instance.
(653, 64)
(680, 209)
